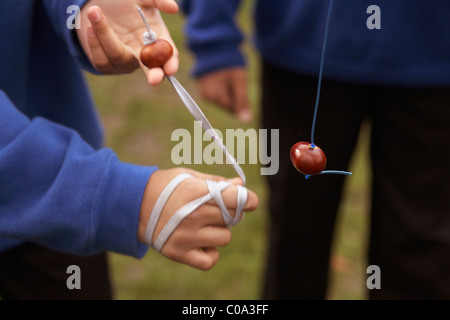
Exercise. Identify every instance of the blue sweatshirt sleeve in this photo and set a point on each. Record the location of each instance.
(212, 34)
(57, 13)
(58, 191)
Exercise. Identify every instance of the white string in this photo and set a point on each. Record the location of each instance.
(214, 192)
(160, 203)
(214, 188)
(198, 114)
(191, 105)
(149, 37)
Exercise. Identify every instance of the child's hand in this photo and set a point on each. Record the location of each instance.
(111, 35)
(195, 240)
(228, 88)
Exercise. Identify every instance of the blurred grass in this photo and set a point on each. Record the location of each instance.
(138, 121)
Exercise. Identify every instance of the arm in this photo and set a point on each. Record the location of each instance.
(57, 191)
(219, 65)
(111, 32)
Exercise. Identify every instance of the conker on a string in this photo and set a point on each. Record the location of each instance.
(307, 158)
(156, 54)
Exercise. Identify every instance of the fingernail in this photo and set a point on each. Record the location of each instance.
(95, 15)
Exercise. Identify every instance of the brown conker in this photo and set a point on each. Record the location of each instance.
(307, 158)
(156, 54)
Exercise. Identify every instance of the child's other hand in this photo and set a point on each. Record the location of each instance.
(228, 88)
(195, 239)
(111, 35)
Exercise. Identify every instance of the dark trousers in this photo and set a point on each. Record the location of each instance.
(410, 163)
(30, 272)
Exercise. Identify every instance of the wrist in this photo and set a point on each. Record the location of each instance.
(155, 185)
(147, 203)
(118, 202)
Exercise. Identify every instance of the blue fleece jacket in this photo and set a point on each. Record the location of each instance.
(58, 187)
(412, 48)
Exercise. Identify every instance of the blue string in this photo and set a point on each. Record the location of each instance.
(319, 86)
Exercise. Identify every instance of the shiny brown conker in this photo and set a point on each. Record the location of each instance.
(156, 54)
(307, 158)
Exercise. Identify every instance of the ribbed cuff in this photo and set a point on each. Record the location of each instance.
(118, 206)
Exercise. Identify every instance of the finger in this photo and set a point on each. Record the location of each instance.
(236, 181)
(97, 55)
(215, 215)
(241, 105)
(171, 66)
(168, 6)
(212, 236)
(119, 55)
(252, 201)
(208, 214)
(222, 95)
(155, 76)
(214, 87)
(219, 92)
(202, 258)
(229, 197)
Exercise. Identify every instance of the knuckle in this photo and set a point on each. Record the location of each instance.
(194, 216)
(151, 12)
(206, 265)
(171, 252)
(181, 236)
(102, 65)
(115, 57)
(118, 57)
(106, 69)
(177, 171)
(195, 187)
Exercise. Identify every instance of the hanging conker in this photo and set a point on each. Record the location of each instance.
(156, 54)
(307, 158)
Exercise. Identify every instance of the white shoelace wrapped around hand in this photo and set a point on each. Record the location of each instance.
(215, 192)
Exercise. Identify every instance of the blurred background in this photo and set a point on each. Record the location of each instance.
(139, 120)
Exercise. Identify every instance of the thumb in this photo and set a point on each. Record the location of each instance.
(168, 6)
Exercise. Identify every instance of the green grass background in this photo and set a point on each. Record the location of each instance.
(138, 121)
